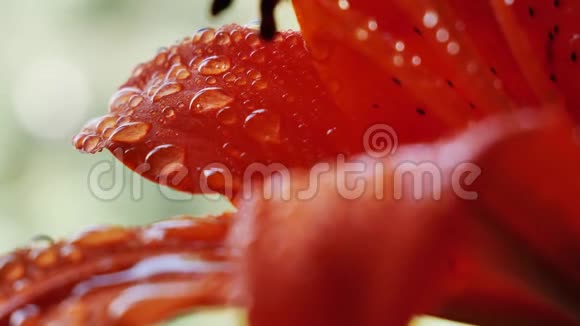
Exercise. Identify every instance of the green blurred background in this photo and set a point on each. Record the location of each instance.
(60, 60)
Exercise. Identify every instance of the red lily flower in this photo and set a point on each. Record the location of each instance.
(478, 97)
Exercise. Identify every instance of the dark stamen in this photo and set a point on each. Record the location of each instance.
(268, 27)
(218, 6)
(420, 111)
(418, 31)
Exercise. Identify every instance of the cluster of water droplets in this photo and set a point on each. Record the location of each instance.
(217, 74)
(120, 129)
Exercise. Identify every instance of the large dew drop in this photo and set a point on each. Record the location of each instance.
(131, 132)
(214, 65)
(90, 144)
(165, 159)
(264, 126)
(213, 98)
(121, 98)
(106, 122)
(166, 90)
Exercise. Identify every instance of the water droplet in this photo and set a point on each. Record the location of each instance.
(78, 140)
(166, 159)
(121, 98)
(239, 69)
(106, 122)
(254, 74)
(153, 89)
(166, 90)
(195, 62)
(229, 77)
(161, 59)
(400, 46)
(102, 236)
(222, 38)
(12, 271)
(416, 60)
(430, 19)
(210, 99)
(178, 72)
(138, 71)
(45, 258)
(252, 39)
(398, 60)
(41, 241)
(71, 253)
(292, 40)
(442, 35)
(90, 144)
(211, 80)
(131, 132)
(124, 119)
(241, 81)
(331, 132)
(168, 112)
(453, 48)
(236, 36)
(207, 36)
(231, 150)
(107, 133)
(260, 84)
(361, 34)
(214, 65)
(343, 4)
(258, 56)
(135, 101)
(264, 126)
(226, 116)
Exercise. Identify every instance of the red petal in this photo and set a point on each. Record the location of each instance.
(210, 107)
(544, 38)
(120, 276)
(529, 195)
(457, 60)
(337, 258)
(340, 261)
